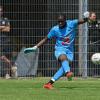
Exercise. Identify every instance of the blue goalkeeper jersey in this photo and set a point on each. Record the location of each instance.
(64, 37)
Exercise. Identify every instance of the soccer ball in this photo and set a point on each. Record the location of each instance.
(96, 58)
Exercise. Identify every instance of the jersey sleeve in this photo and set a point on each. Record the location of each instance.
(51, 33)
(74, 23)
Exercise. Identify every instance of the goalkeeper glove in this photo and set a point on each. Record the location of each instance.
(86, 14)
(32, 49)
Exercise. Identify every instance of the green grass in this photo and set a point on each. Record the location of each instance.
(32, 89)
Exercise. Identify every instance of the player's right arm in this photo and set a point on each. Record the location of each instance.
(50, 35)
(34, 48)
(43, 41)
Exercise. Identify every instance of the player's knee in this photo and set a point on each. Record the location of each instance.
(62, 58)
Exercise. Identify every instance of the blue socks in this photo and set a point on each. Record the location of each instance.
(65, 65)
(58, 74)
(62, 70)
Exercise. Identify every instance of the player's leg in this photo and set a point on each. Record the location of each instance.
(62, 57)
(64, 69)
(65, 64)
(57, 75)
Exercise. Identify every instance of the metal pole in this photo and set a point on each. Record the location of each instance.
(82, 40)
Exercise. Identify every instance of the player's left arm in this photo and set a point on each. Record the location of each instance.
(82, 21)
(85, 19)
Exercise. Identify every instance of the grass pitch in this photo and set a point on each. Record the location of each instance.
(32, 89)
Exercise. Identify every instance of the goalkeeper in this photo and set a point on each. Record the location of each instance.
(64, 33)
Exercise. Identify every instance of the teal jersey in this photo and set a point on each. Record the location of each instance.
(64, 37)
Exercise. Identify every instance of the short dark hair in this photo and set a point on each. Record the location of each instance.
(62, 15)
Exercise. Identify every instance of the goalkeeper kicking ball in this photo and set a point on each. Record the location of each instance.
(96, 58)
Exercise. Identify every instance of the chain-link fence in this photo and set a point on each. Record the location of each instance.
(30, 21)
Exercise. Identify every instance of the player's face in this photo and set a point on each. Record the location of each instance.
(93, 17)
(61, 21)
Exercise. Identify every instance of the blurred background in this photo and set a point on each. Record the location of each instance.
(31, 20)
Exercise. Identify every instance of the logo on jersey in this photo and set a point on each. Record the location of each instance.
(66, 40)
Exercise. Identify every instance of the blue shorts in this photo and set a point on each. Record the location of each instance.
(68, 53)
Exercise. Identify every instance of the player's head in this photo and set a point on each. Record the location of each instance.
(61, 20)
(1, 11)
(92, 16)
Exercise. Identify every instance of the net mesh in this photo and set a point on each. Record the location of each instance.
(30, 21)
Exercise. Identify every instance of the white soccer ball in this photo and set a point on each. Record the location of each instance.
(96, 58)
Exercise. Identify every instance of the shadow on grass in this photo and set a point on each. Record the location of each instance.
(78, 87)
